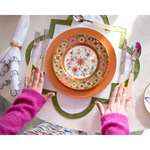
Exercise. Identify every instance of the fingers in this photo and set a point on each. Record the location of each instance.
(26, 82)
(31, 79)
(100, 107)
(49, 95)
(36, 78)
(113, 97)
(41, 82)
(127, 106)
(119, 93)
(123, 99)
(117, 102)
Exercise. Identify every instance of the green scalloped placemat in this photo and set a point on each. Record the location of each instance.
(93, 99)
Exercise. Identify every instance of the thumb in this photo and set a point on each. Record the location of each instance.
(49, 95)
(100, 107)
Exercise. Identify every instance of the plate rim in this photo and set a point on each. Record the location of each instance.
(81, 93)
(144, 98)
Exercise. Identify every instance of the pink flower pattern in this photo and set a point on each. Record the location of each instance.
(81, 86)
(95, 43)
(89, 38)
(66, 79)
(93, 61)
(81, 62)
(60, 71)
(85, 69)
(88, 54)
(103, 65)
(57, 58)
(56, 65)
(72, 40)
(104, 55)
(71, 53)
(99, 73)
(59, 50)
(101, 48)
(88, 83)
(81, 39)
(96, 80)
(73, 84)
(64, 44)
(74, 69)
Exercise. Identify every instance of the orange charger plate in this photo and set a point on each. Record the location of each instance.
(84, 93)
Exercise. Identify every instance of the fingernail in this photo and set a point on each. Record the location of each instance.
(42, 73)
(53, 94)
(38, 68)
(117, 86)
(96, 103)
(121, 85)
(33, 72)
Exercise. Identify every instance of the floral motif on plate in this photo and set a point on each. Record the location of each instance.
(80, 61)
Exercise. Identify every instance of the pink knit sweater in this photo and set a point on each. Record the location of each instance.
(24, 109)
(115, 124)
(29, 103)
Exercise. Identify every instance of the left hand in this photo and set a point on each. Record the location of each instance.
(36, 82)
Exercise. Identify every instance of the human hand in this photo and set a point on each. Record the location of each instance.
(116, 102)
(36, 82)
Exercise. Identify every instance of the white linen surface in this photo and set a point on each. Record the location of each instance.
(76, 105)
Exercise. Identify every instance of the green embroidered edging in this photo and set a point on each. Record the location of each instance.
(116, 29)
(28, 52)
(51, 32)
(91, 105)
(122, 36)
(61, 22)
(77, 115)
(105, 19)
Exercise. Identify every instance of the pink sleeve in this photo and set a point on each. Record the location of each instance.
(115, 124)
(23, 110)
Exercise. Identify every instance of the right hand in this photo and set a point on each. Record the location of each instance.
(116, 102)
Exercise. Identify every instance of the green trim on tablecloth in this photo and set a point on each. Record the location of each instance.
(77, 115)
(122, 36)
(105, 19)
(116, 29)
(61, 22)
(28, 52)
(91, 105)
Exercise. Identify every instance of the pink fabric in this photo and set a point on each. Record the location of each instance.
(24, 109)
(29, 103)
(115, 124)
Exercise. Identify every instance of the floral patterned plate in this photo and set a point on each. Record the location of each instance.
(80, 61)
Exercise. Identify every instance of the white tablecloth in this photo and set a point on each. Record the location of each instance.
(137, 30)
